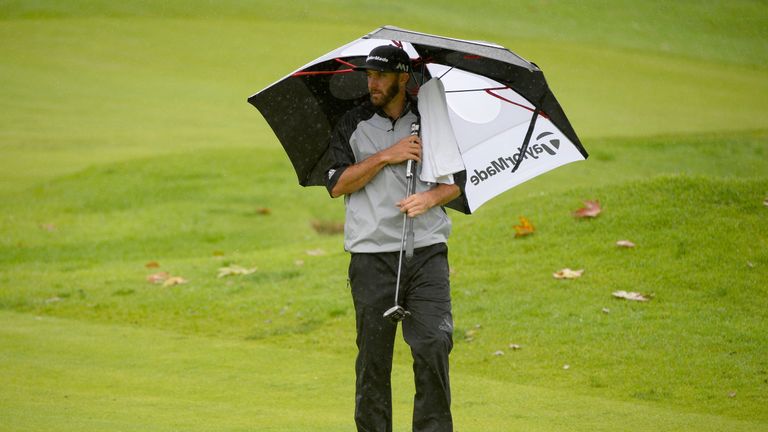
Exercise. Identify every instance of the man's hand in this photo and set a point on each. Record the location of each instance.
(415, 204)
(408, 148)
(419, 203)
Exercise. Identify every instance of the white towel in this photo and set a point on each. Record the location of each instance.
(440, 151)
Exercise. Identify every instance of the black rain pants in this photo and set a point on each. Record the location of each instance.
(425, 293)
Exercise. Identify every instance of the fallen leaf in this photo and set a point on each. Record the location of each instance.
(566, 367)
(218, 253)
(152, 264)
(299, 263)
(315, 252)
(264, 211)
(470, 334)
(235, 270)
(54, 299)
(174, 280)
(525, 228)
(515, 347)
(765, 202)
(158, 277)
(631, 296)
(567, 273)
(590, 210)
(328, 227)
(499, 353)
(606, 311)
(732, 394)
(48, 227)
(625, 244)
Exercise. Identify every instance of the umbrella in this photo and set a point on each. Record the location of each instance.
(508, 125)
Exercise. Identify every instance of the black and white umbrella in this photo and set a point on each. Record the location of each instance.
(508, 125)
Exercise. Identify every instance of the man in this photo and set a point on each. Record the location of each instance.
(370, 148)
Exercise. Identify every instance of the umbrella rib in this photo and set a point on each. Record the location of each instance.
(303, 73)
(477, 89)
(446, 72)
(527, 139)
(541, 113)
(490, 91)
(345, 63)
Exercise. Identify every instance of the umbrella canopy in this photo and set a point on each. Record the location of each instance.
(508, 124)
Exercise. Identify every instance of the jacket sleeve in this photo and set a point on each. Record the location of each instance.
(340, 153)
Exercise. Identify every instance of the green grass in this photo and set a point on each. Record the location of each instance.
(73, 375)
(125, 139)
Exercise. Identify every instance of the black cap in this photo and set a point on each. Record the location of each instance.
(387, 58)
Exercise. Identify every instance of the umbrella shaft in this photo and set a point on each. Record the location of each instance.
(410, 190)
(406, 241)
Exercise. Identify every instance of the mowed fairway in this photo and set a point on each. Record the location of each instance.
(127, 149)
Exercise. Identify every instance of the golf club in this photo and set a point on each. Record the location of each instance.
(397, 313)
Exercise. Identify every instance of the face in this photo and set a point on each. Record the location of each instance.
(383, 87)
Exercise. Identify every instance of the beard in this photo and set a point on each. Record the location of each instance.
(382, 99)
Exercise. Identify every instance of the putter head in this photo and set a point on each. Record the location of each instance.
(396, 314)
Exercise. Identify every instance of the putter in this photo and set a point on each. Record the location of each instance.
(397, 313)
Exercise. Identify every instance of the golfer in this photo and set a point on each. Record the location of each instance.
(369, 150)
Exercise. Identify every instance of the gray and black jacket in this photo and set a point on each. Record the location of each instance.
(373, 222)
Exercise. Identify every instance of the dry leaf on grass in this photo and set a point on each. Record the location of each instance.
(264, 211)
(567, 273)
(590, 210)
(235, 270)
(166, 279)
(470, 334)
(631, 296)
(328, 227)
(158, 278)
(174, 280)
(625, 244)
(525, 228)
(315, 252)
(152, 264)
